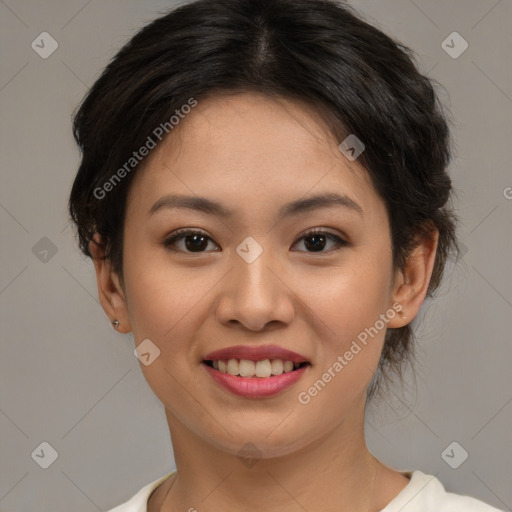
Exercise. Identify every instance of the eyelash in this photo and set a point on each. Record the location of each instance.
(183, 233)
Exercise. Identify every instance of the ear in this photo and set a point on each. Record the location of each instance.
(110, 291)
(411, 283)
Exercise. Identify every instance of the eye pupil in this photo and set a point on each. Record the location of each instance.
(317, 245)
(194, 244)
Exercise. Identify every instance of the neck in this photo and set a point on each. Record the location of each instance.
(333, 472)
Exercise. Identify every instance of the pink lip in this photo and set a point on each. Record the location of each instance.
(255, 387)
(255, 353)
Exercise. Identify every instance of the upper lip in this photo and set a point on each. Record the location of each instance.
(255, 353)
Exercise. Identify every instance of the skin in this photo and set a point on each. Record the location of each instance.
(254, 154)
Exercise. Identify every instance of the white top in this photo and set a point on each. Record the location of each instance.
(423, 493)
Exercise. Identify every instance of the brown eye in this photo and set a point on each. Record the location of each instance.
(193, 241)
(316, 240)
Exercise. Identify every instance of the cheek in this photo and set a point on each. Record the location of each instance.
(164, 304)
(161, 295)
(350, 339)
(351, 297)
(348, 303)
(167, 305)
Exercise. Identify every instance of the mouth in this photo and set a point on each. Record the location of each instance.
(245, 368)
(255, 371)
(255, 379)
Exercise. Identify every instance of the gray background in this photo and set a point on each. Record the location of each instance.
(68, 379)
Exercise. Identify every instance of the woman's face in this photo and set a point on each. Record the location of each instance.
(258, 278)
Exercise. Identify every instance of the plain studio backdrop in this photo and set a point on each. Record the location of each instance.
(71, 386)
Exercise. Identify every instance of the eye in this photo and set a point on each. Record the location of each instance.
(196, 241)
(316, 239)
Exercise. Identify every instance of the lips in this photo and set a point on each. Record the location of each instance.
(256, 388)
(262, 386)
(255, 353)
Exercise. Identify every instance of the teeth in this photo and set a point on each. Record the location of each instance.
(288, 366)
(233, 367)
(261, 368)
(247, 368)
(277, 367)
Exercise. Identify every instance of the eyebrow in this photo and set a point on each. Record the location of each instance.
(297, 207)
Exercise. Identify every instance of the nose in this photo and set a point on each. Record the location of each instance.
(256, 294)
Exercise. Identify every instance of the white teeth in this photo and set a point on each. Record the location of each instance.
(233, 367)
(277, 367)
(247, 368)
(263, 368)
(288, 366)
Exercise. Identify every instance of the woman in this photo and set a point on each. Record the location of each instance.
(263, 190)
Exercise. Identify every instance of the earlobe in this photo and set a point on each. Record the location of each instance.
(412, 282)
(110, 291)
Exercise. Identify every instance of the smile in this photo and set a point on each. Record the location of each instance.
(260, 369)
(256, 379)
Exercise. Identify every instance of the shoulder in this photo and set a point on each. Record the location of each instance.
(425, 493)
(139, 502)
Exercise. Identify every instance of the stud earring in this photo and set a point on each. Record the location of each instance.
(115, 323)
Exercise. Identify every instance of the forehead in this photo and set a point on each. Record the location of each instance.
(247, 147)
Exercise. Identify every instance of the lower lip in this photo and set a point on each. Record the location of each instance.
(256, 387)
